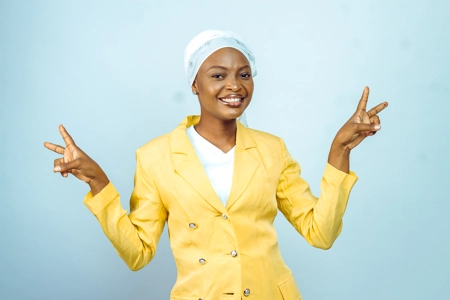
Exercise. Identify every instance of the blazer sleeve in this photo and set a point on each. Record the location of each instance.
(136, 235)
(318, 220)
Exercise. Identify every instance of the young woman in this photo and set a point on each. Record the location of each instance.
(219, 185)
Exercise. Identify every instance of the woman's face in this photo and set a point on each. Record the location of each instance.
(224, 84)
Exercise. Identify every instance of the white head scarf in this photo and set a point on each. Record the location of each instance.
(209, 41)
(206, 43)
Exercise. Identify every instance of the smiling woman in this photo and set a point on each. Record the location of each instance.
(219, 185)
(224, 85)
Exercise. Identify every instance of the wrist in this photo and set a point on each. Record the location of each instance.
(339, 157)
(98, 184)
(339, 149)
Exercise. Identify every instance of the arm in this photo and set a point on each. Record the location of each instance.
(135, 236)
(318, 220)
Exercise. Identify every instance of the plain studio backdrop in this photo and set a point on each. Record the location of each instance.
(112, 73)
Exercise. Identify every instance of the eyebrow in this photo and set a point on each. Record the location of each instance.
(223, 68)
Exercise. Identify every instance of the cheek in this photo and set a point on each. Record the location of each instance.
(249, 87)
(210, 89)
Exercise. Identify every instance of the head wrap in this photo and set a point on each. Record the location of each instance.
(209, 41)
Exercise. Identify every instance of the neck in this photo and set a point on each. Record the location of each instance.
(220, 133)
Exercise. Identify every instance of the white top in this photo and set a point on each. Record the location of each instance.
(217, 164)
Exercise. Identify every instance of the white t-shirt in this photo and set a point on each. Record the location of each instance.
(217, 164)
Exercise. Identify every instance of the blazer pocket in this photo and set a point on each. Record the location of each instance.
(289, 289)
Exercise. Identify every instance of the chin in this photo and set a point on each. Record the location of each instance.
(234, 115)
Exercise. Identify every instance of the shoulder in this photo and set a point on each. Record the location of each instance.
(264, 137)
(265, 141)
(268, 145)
(156, 143)
(155, 150)
(158, 151)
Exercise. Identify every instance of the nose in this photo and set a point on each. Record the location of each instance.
(233, 83)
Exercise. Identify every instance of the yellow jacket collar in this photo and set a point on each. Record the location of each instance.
(188, 166)
(179, 142)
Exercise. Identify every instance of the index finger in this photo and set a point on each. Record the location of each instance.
(364, 98)
(66, 136)
(55, 148)
(374, 111)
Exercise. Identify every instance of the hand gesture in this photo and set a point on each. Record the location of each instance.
(361, 124)
(78, 163)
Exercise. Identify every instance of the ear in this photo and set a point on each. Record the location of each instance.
(194, 86)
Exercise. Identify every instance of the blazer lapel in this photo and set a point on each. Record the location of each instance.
(246, 161)
(188, 166)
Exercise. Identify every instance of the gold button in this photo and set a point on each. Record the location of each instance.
(202, 261)
(192, 226)
(234, 253)
(247, 292)
(224, 216)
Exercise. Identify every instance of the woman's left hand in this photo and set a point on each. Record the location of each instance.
(361, 124)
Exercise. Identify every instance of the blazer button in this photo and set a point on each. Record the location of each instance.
(247, 292)
(224, 216)
(202, 261)
(192, 225)
(234, 253)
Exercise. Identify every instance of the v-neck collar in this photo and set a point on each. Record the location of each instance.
(192, 133)
(188, 166)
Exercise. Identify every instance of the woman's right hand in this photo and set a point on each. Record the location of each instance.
(78, 163)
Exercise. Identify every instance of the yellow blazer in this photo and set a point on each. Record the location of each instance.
(221, 252)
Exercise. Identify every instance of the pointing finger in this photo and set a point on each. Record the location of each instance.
(377, 109)
(364, 98)
(66, 136)
(55, 148)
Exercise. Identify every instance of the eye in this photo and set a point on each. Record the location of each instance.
(246, 75)
(218, 76)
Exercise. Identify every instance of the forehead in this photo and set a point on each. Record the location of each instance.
(225, 57)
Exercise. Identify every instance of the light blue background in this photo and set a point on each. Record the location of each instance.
(112, 73)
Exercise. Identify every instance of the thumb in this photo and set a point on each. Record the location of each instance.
(67, 167)
(366, 127)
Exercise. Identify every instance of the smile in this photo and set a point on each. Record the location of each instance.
(232, 101)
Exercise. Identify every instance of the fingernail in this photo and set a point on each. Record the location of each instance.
(377, 127)
(57, 169)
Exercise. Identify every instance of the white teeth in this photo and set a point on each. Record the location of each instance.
(230, 100)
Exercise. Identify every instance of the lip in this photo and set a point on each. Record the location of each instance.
(232, 96)
(232, 100)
